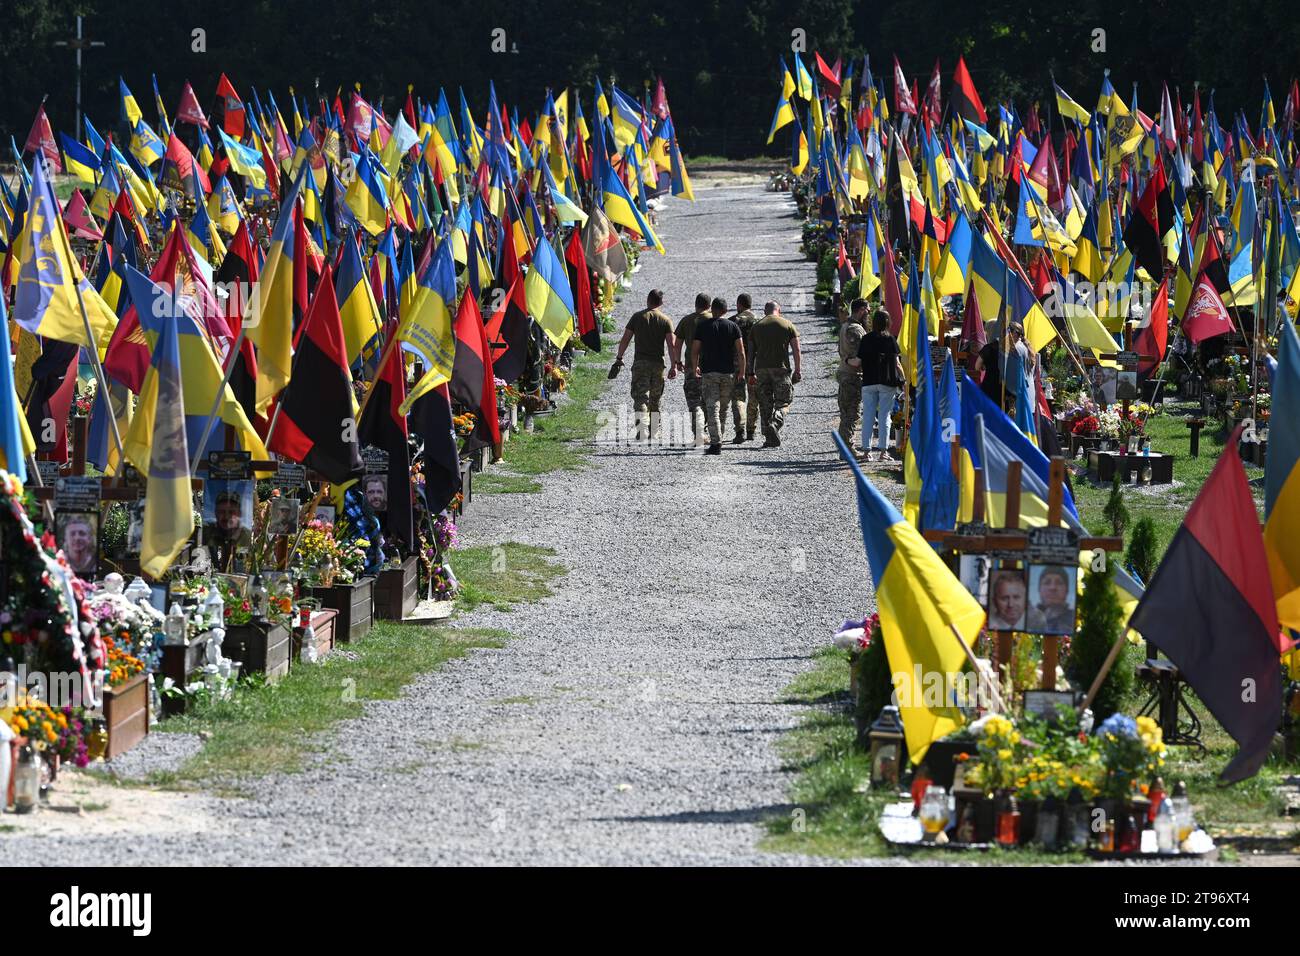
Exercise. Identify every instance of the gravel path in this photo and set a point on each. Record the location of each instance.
(633, 719)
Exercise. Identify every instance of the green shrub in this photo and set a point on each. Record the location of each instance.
(1100, 621)
(1143, 554)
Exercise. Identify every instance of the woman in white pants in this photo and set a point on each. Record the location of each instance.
(882, 379)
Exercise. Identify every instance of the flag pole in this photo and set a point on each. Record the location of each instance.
(983, 675)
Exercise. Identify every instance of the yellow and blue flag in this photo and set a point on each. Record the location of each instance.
(358, 311)
(925, 613)
(156, 441)
(367, 196)
(48, 278)
(427, 327)
(547, 292)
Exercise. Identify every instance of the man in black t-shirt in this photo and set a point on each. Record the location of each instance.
(718, 361)
(882, 378)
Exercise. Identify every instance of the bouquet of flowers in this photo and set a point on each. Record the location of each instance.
(135, 630)
(464, 424)
(321, 554)
(122, 665)
(1001, 752)
(61, 732)
(1087, 425)
(1131, 751)
(556, 378)
(84, 403)
(1108, 423)
(507, 394)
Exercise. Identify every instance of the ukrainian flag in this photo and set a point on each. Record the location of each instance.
(270, 313)
(925, 613)
(79, 160)
(48, 277)
(783, 116)
(156, 442)
(1282, 480)
(358, 310)
(244, 160)
(426, 328)
(547, 293)
(622, 209)
(954, 264)
(367, 195)
(988, 276)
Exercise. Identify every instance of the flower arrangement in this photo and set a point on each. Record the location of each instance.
(556, 378)
(61, 732)
(135, 630)
(84, 402)
(1087, 425)
(1131, 751)
(1001, 750)
(464, 424)
(507, 394)
(320, 552)
(238, 608)
(122, 665)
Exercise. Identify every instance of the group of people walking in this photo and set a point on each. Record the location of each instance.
(741, 361)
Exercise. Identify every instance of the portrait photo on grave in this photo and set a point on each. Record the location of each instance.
(78, 535)
(974, 574)
(325, 514)
(283, 519)
(227, 518)
(1007, 599)
(1105, 383)
(1126, 388)
(1053, 595)
(134, 526)
(375, 488)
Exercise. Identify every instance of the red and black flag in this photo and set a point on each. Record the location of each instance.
(317, 410)
(965, 99)
(575, 261)
(508, 333)
(1154, 336)
(237, 274)
(1153, 217)
(1210, 609)
(472, 381)
(54, 386)
(431, 422)
(384, 426)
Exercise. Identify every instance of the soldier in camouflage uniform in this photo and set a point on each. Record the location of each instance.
(773, 338)
(849, 377)
(652, 331)
(692, 387)
(744, 400)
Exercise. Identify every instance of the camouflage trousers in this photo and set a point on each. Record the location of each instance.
(717, 388)
(647, 390)
(647, 386)
(775, 393)
(693, 389)
(850, 400)
(744, 408)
